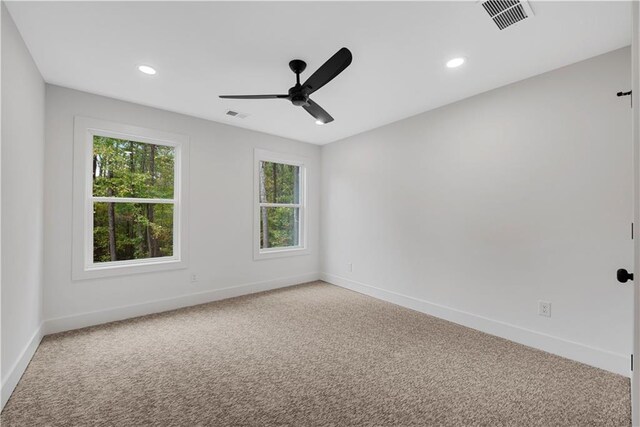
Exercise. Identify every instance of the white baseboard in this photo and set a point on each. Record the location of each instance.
(603, 359)
(83, 320)
(18, 368)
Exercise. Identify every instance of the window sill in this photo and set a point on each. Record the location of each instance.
(279, 253)
(125, 269)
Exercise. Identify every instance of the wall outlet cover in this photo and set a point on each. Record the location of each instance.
(544, 308)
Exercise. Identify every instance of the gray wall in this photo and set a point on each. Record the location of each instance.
(23, 93)
(478, 210)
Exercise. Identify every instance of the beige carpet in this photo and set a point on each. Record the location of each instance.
(311, 355)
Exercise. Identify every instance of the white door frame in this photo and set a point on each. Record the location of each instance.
(635, 87)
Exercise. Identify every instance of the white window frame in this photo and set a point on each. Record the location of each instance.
(83, 265)
(289, 159)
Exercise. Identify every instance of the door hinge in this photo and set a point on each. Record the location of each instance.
(629, 94)
(631, 231)
(632, 362)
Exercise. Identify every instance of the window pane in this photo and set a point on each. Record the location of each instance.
(279, 227)
(123, 168)
(125, 231)
(279, 183)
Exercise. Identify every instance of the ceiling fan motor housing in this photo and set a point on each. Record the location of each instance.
(297, 96)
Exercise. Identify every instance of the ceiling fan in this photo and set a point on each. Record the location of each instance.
(299, 94)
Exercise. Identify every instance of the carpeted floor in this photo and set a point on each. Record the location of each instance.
(310, 355)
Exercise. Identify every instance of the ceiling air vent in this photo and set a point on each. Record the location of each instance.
(236, 114)
(505, 13)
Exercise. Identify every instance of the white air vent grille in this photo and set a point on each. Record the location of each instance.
(505, 13)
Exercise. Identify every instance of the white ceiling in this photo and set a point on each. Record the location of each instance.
(202, 50)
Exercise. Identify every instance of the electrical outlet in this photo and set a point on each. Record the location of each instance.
(194, 277)
(544, 308)
(350, 267)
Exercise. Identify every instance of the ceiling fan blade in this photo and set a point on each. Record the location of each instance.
(253, 96)
(318, 112)
(330, 69)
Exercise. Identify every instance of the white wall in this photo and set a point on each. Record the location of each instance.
(220, 217)
(476, 211)
(23, 93)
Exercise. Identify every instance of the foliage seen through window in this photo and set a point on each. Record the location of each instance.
(123, 230)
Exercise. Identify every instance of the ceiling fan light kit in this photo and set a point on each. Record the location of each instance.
(298, 95)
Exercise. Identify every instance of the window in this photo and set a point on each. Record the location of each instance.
(280, 214)
(129, 199)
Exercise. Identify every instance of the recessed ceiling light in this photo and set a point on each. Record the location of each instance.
(147, 69)
(319, 122)
(455, 62)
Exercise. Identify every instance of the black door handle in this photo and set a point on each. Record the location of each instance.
(624, 275)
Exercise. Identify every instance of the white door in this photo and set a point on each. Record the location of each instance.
(635, 54)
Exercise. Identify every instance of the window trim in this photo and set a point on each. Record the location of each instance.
(303, 245)
(83, 265)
